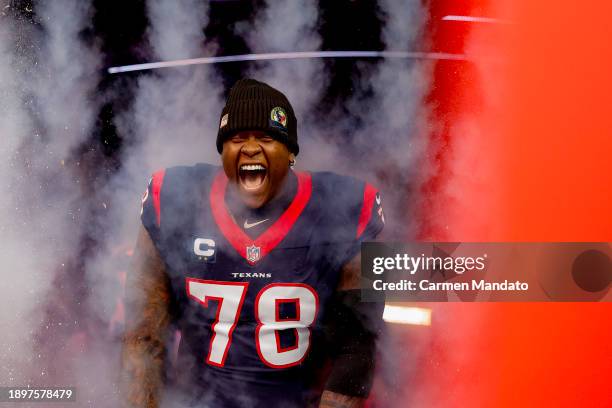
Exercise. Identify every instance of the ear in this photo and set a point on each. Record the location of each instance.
(291, 160)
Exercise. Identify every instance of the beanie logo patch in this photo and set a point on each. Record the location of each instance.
(279, 117)
(224, 119)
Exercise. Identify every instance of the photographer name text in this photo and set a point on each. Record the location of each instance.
(426, 285)
(430, 265)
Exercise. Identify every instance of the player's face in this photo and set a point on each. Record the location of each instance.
(256, 164)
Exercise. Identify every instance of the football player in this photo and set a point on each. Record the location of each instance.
(257, 265)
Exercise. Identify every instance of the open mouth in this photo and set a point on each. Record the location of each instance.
(252, 176)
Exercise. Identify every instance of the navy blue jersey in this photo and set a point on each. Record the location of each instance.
(251, 309)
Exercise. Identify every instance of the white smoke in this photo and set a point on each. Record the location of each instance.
(393, 132)
(176, 111)
(48, 102)
(471, 155)
(388, 101)
(394, 117)
(68, 75)
(390, 119)
(48, 76)
(291, 26)
(172, 120)
(447, 376)
(18, 263)
(288, 26)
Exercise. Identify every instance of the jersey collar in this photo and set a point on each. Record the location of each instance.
(253, 250)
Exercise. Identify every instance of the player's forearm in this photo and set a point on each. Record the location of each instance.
(352, 327)
(142, 363)
(334, 400)
(147, 319)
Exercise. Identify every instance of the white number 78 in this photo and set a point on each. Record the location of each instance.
(230, 297)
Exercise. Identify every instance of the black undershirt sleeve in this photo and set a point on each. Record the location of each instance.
(352, 329)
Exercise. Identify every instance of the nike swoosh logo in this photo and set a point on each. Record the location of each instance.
(247, 225)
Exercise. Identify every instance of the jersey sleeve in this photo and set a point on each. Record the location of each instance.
(371, 215)
(370, 220)
(150, 213)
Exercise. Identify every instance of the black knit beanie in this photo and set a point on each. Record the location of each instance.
(253, 105)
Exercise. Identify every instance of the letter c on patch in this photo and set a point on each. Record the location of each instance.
(204, 247)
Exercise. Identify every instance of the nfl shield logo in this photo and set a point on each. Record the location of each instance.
(253, 253)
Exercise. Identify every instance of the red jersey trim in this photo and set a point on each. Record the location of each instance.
(156, 186)
(267, 241)
(369, 194)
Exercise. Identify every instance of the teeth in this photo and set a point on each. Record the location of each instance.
(251, 167)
